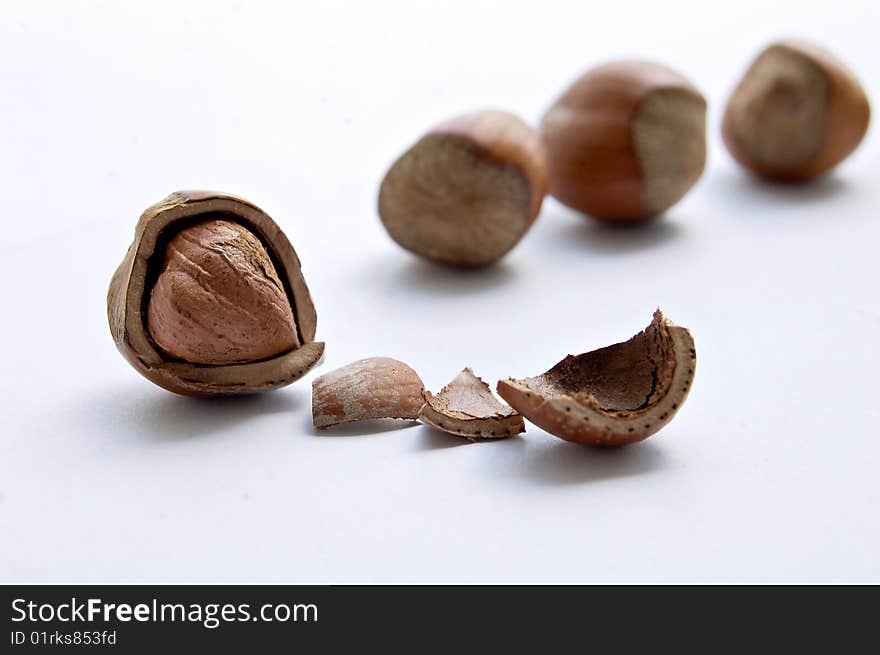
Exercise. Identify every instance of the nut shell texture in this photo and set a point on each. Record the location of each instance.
(625, 141)
(467, 192)
(466, 407)
(797, 112)
(373, 388)
(615, 395)
(194, 365)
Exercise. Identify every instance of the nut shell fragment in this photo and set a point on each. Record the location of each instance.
(466, 407)
(615, 395)
(128, 300)
(373, 388)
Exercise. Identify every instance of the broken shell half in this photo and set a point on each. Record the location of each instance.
(210, 300)
(373, 388)
(468, 408)
(615, 395)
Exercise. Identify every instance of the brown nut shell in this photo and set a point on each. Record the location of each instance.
(625, 141)
(797, 112)
(372, 388)
(466, 192)
(290, 356)
(615, 395)
(467, 407)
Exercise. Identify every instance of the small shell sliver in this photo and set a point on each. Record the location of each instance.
(372, 388)
(467, 407)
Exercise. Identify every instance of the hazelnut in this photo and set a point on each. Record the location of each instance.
(797, 112)
(625, 141)
(210, 299)
(611, 396)
(466, 192)
(467, 408)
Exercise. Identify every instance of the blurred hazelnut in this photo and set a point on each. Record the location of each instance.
(797, 112)
(625, 141)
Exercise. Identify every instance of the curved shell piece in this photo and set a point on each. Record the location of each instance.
(129, 292)
(466, 407)
(373, 388)
(615, 395)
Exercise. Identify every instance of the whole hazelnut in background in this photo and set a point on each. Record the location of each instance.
(797, 112)
(625, 141)
(467, 191)
(210, 299)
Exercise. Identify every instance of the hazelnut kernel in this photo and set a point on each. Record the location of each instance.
(218, 298)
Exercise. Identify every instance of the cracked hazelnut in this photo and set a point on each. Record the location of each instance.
(210, 299)
(611, 396)
(625, 141)
(467, 192)
(797, 112)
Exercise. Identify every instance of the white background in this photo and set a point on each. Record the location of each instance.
(769, 472)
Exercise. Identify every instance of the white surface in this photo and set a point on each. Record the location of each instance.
(769, 473)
